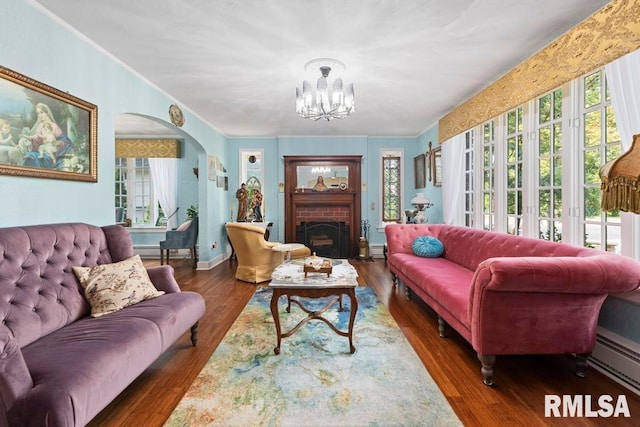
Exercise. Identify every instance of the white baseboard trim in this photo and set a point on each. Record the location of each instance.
(618, 358)
(153, 252)
(375, 250)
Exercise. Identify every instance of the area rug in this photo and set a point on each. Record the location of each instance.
(315, 381)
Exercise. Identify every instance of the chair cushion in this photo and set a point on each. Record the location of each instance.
(184, 226)
(428, 247)
(112, 287)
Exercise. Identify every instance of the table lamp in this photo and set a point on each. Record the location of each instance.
(421, 203)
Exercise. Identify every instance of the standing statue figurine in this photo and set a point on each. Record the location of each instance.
(257, 205)
(243, 202)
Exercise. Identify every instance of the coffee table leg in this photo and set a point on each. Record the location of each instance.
(352, 316)
(276, 317)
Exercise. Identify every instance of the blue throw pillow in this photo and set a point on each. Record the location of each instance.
(428, 247)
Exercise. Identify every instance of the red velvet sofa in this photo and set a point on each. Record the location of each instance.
(509, 294)
(59, 366)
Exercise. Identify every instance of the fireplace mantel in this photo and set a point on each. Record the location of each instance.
(339, 202)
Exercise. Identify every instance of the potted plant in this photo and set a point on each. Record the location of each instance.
(192, 212)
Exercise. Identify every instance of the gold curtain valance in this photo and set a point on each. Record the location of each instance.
(607, 35)
(148, 148)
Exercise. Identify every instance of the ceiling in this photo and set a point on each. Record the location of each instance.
(236, 64)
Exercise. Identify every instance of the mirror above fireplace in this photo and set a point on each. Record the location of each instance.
(333, 177)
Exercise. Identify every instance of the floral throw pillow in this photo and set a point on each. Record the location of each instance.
(111, 287)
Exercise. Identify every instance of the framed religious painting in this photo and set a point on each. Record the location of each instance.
(44, 132)
(419, 171)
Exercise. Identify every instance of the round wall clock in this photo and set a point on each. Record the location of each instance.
(176, 116)
(342, 186)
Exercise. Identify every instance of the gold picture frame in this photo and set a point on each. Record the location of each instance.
(44, 132)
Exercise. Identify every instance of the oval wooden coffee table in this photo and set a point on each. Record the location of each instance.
(289, 279)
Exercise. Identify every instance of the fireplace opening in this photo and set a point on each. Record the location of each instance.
(326, 238)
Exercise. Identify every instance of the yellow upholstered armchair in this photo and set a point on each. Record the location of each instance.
(256, 258)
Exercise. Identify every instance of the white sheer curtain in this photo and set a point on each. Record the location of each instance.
(453, 180)
(623, 78)
(624, 85)
(164, 174)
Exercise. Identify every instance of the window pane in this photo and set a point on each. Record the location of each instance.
(592, 90)
(557, 104)
(545, 229)
(613, 152)
(391, 203)
(612, 128)
(545, 141)
(592, 203)
(544, 108)
(592, 164)
(557, 138)
(545, 203)
(511, 150)
(557, 203)
(592, 128)
(545, 173)
(511, 176)
(511, 203)
(557, 171)
(613, 238)
(592, 235)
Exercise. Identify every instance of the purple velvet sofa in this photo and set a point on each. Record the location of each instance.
(58, 365)
(509, 294)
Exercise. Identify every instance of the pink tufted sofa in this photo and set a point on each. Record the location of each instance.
(58, 366)
(508, 294)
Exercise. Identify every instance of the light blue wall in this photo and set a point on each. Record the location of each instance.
(434, 194)
(40, 48)
(368, 147)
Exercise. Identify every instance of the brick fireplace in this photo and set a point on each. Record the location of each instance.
(327, 221)
(325, 238)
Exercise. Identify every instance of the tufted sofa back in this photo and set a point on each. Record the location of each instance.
(38, 291)
(470, 246)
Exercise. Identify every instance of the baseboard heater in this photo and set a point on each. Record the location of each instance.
(618, 358)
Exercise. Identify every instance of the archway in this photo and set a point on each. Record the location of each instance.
(146, 231)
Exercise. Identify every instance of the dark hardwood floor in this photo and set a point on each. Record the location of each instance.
(518, 400)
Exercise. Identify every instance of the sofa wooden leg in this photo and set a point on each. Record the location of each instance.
(581, 364)
(487, 360)
(394, 279)
(442, 327)
(407, 292)
(194, 334)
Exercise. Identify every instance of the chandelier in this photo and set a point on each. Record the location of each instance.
(327, 104)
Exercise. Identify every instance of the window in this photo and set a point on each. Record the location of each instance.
(514, 170)
(488, 176)
(252, 175)
(468, 179)
(121, 189)
(600, 143)
(549, 166)
(550, 151)
(133, 185)
(391, 185)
